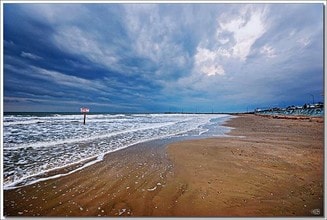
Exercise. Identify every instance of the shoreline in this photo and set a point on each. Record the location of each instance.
(168, 181)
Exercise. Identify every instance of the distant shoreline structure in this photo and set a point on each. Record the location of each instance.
(315, 110)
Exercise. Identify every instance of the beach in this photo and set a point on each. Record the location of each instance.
(264, 167)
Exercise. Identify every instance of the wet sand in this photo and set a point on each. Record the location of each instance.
(267, 167)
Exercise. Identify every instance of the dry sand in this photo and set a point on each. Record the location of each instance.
(267, 167)
(275, 170)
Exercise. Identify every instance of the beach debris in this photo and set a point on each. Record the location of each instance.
(122, 211)
(127, 187)
(159, 184)
(152, 189)
(81, 208)
(20, 213)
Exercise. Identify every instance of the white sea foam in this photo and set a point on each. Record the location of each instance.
(32, 148)
(91, 138)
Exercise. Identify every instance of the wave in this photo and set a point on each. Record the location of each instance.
(32, 179)
(77, 140)
(73, 148)
(10, 123)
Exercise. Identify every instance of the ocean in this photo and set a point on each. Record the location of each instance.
(35, 144)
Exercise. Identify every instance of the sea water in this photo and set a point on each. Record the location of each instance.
(36, 143)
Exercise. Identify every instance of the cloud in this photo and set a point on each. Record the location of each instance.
(213, 70)
(56, 77)
(48, 84)
(268, 51)
(246, 28)
(304, 42)
(30, 56)
(76, 41)
(206, 62)
(258, 71)
(148, 56)
(157, 37)
(54, 14)
(234, 38)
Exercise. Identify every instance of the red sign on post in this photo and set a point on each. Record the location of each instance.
(84, 110)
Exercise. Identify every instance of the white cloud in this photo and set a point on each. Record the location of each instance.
(77, 41)
(235, 35)
(292, 33)
(30, 56)
(223, 40)
(204, 55)
(246, 28)
(224, 52)
(212, 70)
(304, 41)
(206, 62)
(68, 80)
(268, 51)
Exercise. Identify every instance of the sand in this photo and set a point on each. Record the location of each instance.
(275, 170)
(266, 167)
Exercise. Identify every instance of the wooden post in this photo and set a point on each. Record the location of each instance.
(84, 117)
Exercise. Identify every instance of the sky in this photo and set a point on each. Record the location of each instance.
(161, 57)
